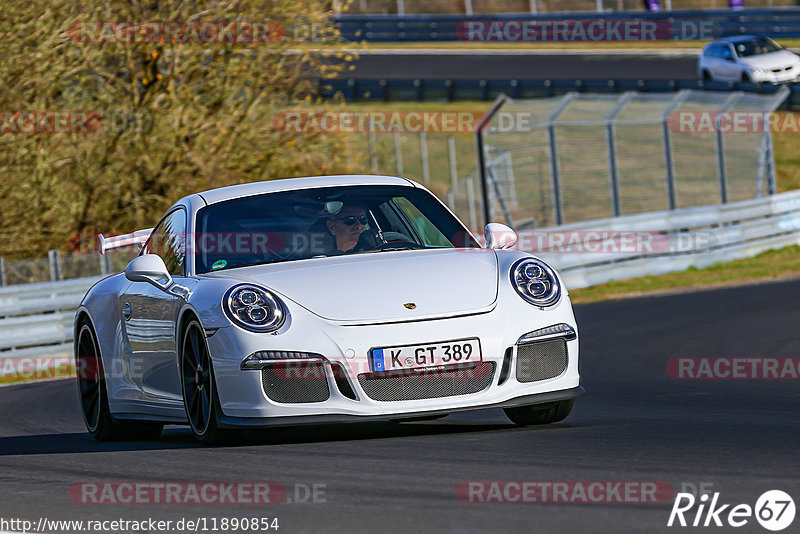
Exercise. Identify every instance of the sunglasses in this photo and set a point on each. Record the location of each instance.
(351, 220)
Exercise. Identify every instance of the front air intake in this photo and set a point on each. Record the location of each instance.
(299, 382)
(427, 384)
(542, 360)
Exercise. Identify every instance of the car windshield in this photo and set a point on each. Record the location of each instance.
(756, 47)
(312, 223)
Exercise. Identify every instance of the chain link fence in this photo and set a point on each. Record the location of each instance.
(588, 156)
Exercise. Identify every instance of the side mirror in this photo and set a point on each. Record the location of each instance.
(149, 268)
(499, 236)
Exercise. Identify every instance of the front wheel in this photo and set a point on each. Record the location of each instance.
(540, 414)
(94, 395)
(199, 389)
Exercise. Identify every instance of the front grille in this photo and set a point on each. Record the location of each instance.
(542, 360)
(298, 382)
(427, 384)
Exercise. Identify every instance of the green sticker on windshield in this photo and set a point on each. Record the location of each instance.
(219, 264)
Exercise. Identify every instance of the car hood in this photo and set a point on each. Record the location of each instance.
(381, 287)
(773, 60)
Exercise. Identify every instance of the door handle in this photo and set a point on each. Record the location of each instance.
(127, 311)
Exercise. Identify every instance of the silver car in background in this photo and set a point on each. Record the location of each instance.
(748, 58)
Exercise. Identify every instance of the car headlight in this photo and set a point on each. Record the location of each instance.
(535, 281)
(254, 308)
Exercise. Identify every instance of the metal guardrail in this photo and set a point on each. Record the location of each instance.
(36, 323)
(682, 238)
(451, 90)
(774, 22)
(469, 7)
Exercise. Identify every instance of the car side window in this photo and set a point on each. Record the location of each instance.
(725, 53)
(712, 51)
(430, 235)
(168, 240)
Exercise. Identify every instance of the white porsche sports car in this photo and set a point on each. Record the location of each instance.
(324, 299)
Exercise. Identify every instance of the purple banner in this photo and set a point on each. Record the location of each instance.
(736, 4)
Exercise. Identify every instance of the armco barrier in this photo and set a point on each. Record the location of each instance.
(36, 320)
(716, 233)
(707, 23)
(451, 90)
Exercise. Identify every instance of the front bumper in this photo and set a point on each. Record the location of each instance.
(244, 401)
(259, 422)
(784, 76)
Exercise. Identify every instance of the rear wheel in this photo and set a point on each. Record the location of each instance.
(746, 78)
(199, 390)
(540, 414)
(94, 396)
(706, 76)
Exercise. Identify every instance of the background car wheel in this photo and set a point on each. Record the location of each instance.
(199, 390)
(746, 78)
(540, 414)
(94, 397)
(706, 76)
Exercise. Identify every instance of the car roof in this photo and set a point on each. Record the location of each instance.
(738, 38)
(289, 184)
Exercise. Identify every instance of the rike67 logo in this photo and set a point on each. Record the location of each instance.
(774, 510)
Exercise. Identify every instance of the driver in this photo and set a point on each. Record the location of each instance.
(346, 227)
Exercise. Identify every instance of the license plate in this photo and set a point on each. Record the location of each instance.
(425, 355)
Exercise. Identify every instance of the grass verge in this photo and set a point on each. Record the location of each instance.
(768, 266)
(62, 371)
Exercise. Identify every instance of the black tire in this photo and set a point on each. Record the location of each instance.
(706, 76)
(93, 395)
(540, 414)
(200, 397)
(746, 78)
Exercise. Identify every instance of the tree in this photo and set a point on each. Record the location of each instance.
(151, 114)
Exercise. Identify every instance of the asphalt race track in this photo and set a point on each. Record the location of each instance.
(636, 424)
(532, 65)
